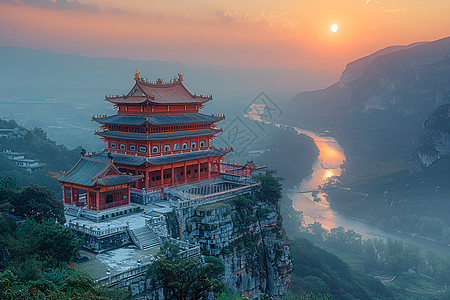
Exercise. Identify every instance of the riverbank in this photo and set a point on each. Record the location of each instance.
(313, 202)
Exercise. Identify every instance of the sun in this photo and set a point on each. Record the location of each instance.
(334, 28)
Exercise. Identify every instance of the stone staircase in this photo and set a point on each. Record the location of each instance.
(72, 211)
(144, 238)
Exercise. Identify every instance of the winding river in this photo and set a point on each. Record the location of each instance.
(314, 204)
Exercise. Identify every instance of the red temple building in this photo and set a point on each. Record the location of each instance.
(157, 139)
(95, 183)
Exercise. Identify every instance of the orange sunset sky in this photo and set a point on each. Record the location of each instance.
(292, 34)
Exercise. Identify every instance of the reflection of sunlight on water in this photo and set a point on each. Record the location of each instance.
(325, 169)
(315, 206)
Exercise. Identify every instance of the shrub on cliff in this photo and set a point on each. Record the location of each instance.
(184, 279)
(271, 187)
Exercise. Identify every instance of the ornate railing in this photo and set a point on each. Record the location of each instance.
(195, 199)
(134, 238)
(97, 231)
(134, 153)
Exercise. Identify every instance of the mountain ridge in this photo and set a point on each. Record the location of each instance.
(378, 116)
(46, 68)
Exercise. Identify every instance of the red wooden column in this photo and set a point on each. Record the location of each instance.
(162, 176)
(185, 174)
(76, 196)
(65, 200)
(198, 170)
(146, 179)
(72, 195)
(89, 200)
(209, 168)
(173, 175)
(97, 200)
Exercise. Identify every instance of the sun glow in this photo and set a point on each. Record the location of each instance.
(334, 28)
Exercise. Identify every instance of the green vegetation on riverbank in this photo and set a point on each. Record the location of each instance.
(404, 269)
(403, 201)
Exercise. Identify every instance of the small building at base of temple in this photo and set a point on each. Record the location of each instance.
(95, 184)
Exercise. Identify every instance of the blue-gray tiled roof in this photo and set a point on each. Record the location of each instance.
(161, 160)
(158, 120)
(89, 171)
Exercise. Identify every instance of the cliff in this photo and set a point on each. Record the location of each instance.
(247, 234)
(435, 140)
(377, 109)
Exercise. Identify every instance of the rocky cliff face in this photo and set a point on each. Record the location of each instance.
(247, 234)
(259, 261)
(435, 140)
(403, 79)
(355, 69)
(378, 108)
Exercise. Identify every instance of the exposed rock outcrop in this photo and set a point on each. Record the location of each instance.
(435, 140)
(247, 235)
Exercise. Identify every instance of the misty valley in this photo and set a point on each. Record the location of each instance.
(331, 188)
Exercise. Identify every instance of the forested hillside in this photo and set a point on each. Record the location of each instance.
(36, 145)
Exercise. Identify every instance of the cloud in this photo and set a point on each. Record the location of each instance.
(12, 2)
(277, 18)
(225, 16)
(394, 9)
(74, 5)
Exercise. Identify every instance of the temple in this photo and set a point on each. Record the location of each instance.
(157, 139)
(158, 132)
(157, 169)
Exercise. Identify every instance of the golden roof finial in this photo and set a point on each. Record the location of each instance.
(136, 75)
(180, 77)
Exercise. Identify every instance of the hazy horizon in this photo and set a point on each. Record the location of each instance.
(282, 35)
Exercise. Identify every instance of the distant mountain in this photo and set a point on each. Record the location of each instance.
(355, 69)
(61, 92)
(26, 67)
(378, 107)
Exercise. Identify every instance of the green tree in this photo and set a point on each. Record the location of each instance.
(53, 243)
(9, 190)
(271, 186)
(37, 202)
(317, 230)
(186, 278)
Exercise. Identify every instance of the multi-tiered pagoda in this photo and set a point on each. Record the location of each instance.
(159, 132)
(157, 139)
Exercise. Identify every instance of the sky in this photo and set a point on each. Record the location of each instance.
(254, 33)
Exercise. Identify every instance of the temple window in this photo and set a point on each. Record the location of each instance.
(193, 145)
(132, 148)
(112, 145)
(123, 147)
(166, 148)
(176, 147)
(142, 149)
(155, 149)
(184, 146)
(109, 199)
(202, 143)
